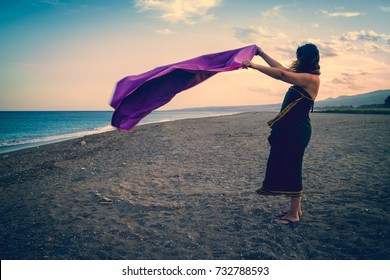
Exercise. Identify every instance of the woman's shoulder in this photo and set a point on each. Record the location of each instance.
(313, 86)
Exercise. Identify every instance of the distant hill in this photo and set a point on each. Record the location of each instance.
(375, 97)
(235, 109)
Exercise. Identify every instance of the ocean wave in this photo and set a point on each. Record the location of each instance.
(55, 138)
(18, 143)
(155, 121)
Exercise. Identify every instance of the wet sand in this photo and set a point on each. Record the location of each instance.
(185, 190)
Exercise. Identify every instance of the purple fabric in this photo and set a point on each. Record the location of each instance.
(137, 96)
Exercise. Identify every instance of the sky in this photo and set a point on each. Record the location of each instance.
(69, 55)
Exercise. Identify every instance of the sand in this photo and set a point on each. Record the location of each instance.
(185, 190)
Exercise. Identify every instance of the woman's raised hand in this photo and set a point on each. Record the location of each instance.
(247, 63)
(259, 51)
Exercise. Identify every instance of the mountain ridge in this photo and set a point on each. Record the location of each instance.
(373, 97)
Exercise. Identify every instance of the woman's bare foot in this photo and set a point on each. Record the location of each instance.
(286, 212)
(287, 220)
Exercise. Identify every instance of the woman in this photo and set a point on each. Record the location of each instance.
(291, 129)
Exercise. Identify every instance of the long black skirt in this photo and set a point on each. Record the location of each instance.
(284, 171)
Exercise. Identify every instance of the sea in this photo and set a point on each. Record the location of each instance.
(25, 129)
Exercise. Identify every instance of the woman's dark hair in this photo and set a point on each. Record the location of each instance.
(308, 58)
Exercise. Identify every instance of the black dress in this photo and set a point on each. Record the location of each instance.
(290, 135)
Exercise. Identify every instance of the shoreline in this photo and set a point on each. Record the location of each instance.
(185, 190)
(65, 137)
(60, 138)
(375, 111)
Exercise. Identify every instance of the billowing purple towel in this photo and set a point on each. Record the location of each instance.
(137, 96)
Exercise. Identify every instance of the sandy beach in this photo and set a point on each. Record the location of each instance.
(186, 190)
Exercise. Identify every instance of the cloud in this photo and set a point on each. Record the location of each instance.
(282, 43)
(253, 34)
(65, 7)
(51, 2)
(165, 31)
(327, 48)
(353, 42)
(174, 11)
(385, 9)
(351, 81)
(341, 14)
(273, 13)
(365, 35)
(366, 40)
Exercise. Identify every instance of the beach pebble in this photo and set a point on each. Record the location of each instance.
(83, 143)
(168, 243)
(105, 200)
(105, 203)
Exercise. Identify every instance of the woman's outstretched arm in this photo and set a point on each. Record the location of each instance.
(270, 61)
(307, 81)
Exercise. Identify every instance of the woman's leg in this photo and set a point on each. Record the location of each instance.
(291, 210)
(295, 210)
(293, 214)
